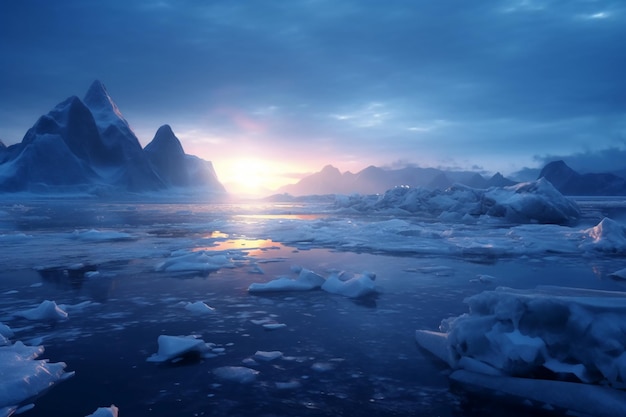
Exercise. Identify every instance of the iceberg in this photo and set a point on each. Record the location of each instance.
(174, 348)
(550, 345)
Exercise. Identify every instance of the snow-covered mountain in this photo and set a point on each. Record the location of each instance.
(174, 167)
(570, 182)
(87, 146)
(373, 180)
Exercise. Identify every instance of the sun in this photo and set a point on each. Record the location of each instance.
(248, 176)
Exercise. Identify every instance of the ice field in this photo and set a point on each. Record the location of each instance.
(308, 308)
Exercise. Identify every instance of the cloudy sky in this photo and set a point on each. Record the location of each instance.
(272, 89)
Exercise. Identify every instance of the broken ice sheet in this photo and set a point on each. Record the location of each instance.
(511, 335)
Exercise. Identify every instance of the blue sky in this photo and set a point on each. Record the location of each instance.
(289, 86)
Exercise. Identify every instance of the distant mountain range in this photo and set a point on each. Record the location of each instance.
(373, 180)
(570, 182)
(87, 146)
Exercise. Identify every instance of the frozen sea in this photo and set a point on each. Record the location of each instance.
(124, 273)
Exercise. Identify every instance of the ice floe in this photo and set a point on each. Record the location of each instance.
(200, 261)
(111, 411)
(606, 236)
(46, 311)
(240, 374)
(352, 286)
(530, 202)
(511, 337)
(306, 280)
(24, 376)
(175, 348)
(94, 235)
(341, 283)
(198, 307)
(267, 356)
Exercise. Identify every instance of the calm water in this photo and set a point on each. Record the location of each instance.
(366, 349)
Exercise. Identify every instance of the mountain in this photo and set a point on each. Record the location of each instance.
(174, 167)
(87, 146)
(373, 180)
(570, 182)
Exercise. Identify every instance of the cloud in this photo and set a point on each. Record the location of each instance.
(486, 82)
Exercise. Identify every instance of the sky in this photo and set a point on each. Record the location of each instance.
(273, 90)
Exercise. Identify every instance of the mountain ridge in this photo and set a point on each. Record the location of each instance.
(88, 146)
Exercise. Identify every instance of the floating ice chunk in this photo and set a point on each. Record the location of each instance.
(322, 366)
(606, 236)
(46, 311)
(350, 286)
(288, 385)
(267, 356)
(71, 308)
(239, 374)
(172, 348)
(523, 333)
(95, 235)
(306, 280)
(585, 399)
(105, 412)
(199, 308)
(274, 326)
(437, 344)
(483, 279)
(24, 377)
(199, 261)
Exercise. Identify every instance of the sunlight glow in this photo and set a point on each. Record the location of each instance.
(253, 177)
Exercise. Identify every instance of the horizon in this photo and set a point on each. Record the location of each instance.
(271, 93)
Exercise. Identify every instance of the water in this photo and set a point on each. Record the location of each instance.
(341, 356)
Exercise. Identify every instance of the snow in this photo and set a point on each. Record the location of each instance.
(530, 202)
(510, 336)
(24, 377)
(46, 311)
(173, 348)
(239, 374)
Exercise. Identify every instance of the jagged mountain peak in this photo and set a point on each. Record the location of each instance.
(165, 142)
(98, 100)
